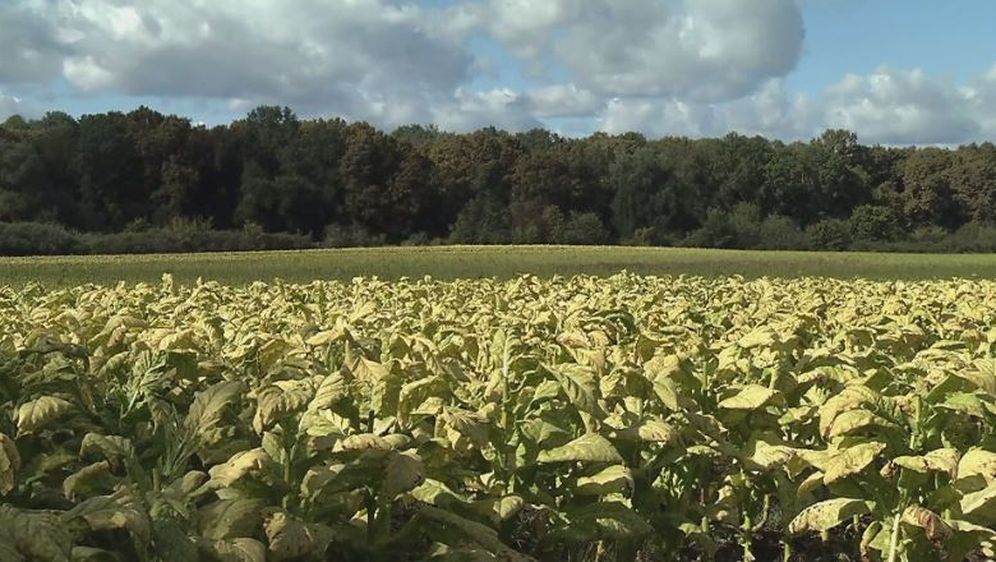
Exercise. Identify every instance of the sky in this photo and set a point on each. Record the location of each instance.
(896, 72)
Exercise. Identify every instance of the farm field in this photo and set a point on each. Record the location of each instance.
(586, 419)
(494, 261)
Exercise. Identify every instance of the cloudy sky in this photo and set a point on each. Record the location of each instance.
(894, 71)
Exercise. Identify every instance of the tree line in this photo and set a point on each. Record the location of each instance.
(136, 181)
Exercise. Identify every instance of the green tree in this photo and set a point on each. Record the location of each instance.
(109, 167)
(829, 234)
(972, 176)
(875, 223)
(927, 196)
(642, 195)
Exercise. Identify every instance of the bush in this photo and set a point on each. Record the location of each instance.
(645, 236)
(169, 240)
(875, 223)
(338, 236)
(484, 220)
(972, 237)
(551, 224)
(739, 228)
(418, 239)
(23, 239)
(584, 229)
(928, 236)
(30, 238)
(829, 234)
(780, 233)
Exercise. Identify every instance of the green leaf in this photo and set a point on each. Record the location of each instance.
(414, 394)
(363, 442)
(590, 447)
(499, 510)
(36, 536)
(118, 511)
(939, 460)
(188, 485)
(826, 515)
(10, 464)
(980, 507)
(278, 401)
(602, 521)
(578, 384)
(978, 462)
(649, 431)
(403, 473)
(869, 538)
(540, 431)
(91, 480)
(443, 553)
(209, 409)
(471, 425)
(289, 538)
(667, 393)
(239, 466)
(770, 456)
(230, 519)
(233, 550)
(760, 337)
(111, 448)
(331, 391)
(966, 538)
(983, 374)
(965, 403)
(37, 414)
(90, 554)
(546, 390)
(851, 398)
(437, 493)
(612, 480)
(856, 421)
(451, 529)
(8, 552)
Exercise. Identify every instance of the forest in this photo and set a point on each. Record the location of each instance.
(143, 182)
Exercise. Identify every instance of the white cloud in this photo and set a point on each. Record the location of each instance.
(354, 57)
(888, 106)
(656, 117)
(563, 100)
(661, 67)
(696, 49)
(982, 93)
(87, 74)
(897, 107)
(502, 107)
(771, 111)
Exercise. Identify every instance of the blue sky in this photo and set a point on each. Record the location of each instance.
(952, 40)
(897, 72)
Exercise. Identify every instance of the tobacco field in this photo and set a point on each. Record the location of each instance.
(572, 419)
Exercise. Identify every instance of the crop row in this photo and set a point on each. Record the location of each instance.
(621, 418)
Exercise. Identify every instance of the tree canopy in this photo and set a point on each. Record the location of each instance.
(275, 172)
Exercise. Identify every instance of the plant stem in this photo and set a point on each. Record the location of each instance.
(894, 540)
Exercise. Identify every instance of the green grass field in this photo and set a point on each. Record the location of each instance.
(493, 261)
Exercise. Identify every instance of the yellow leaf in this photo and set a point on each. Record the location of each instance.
(35, 415)
(826, 515)
(852, 461)
(751, 397)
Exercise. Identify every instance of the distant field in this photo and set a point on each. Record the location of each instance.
(494, 261)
